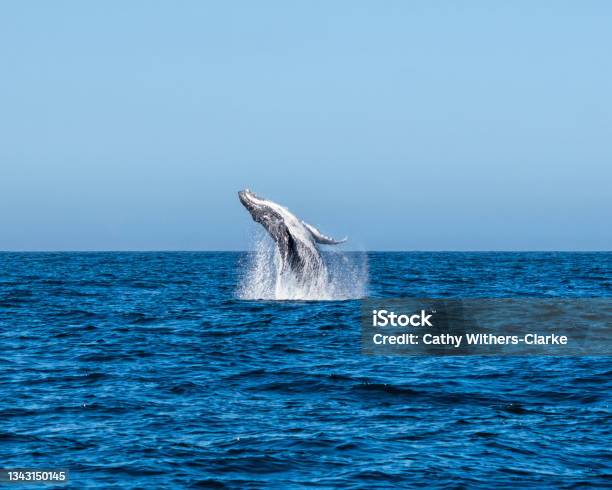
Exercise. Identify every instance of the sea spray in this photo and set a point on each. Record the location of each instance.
(344, 275)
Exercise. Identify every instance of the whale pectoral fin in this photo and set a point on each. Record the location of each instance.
(320, 237)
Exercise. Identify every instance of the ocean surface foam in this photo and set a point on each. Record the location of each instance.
(344, 275)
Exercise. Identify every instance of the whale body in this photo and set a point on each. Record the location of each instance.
(296, 241)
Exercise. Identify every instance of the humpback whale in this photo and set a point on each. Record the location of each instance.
(295, 240)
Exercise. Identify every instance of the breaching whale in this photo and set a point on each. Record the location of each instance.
(295, 240)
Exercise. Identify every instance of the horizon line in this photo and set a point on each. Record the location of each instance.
(324, 250)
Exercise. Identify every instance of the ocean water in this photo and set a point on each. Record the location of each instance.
(150, 370)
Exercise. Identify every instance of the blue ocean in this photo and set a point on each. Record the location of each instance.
(169, 370)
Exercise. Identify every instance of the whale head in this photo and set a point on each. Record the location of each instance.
(253, 203)
(262, 211)
(247, 198)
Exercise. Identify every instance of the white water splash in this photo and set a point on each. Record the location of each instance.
(344, 276)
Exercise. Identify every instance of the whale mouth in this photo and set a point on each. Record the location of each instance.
(244, 196)
(248, 198)
(246, 193)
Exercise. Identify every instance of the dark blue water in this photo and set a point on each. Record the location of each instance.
(143, 370)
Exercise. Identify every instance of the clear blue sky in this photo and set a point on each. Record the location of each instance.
(405, 125)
